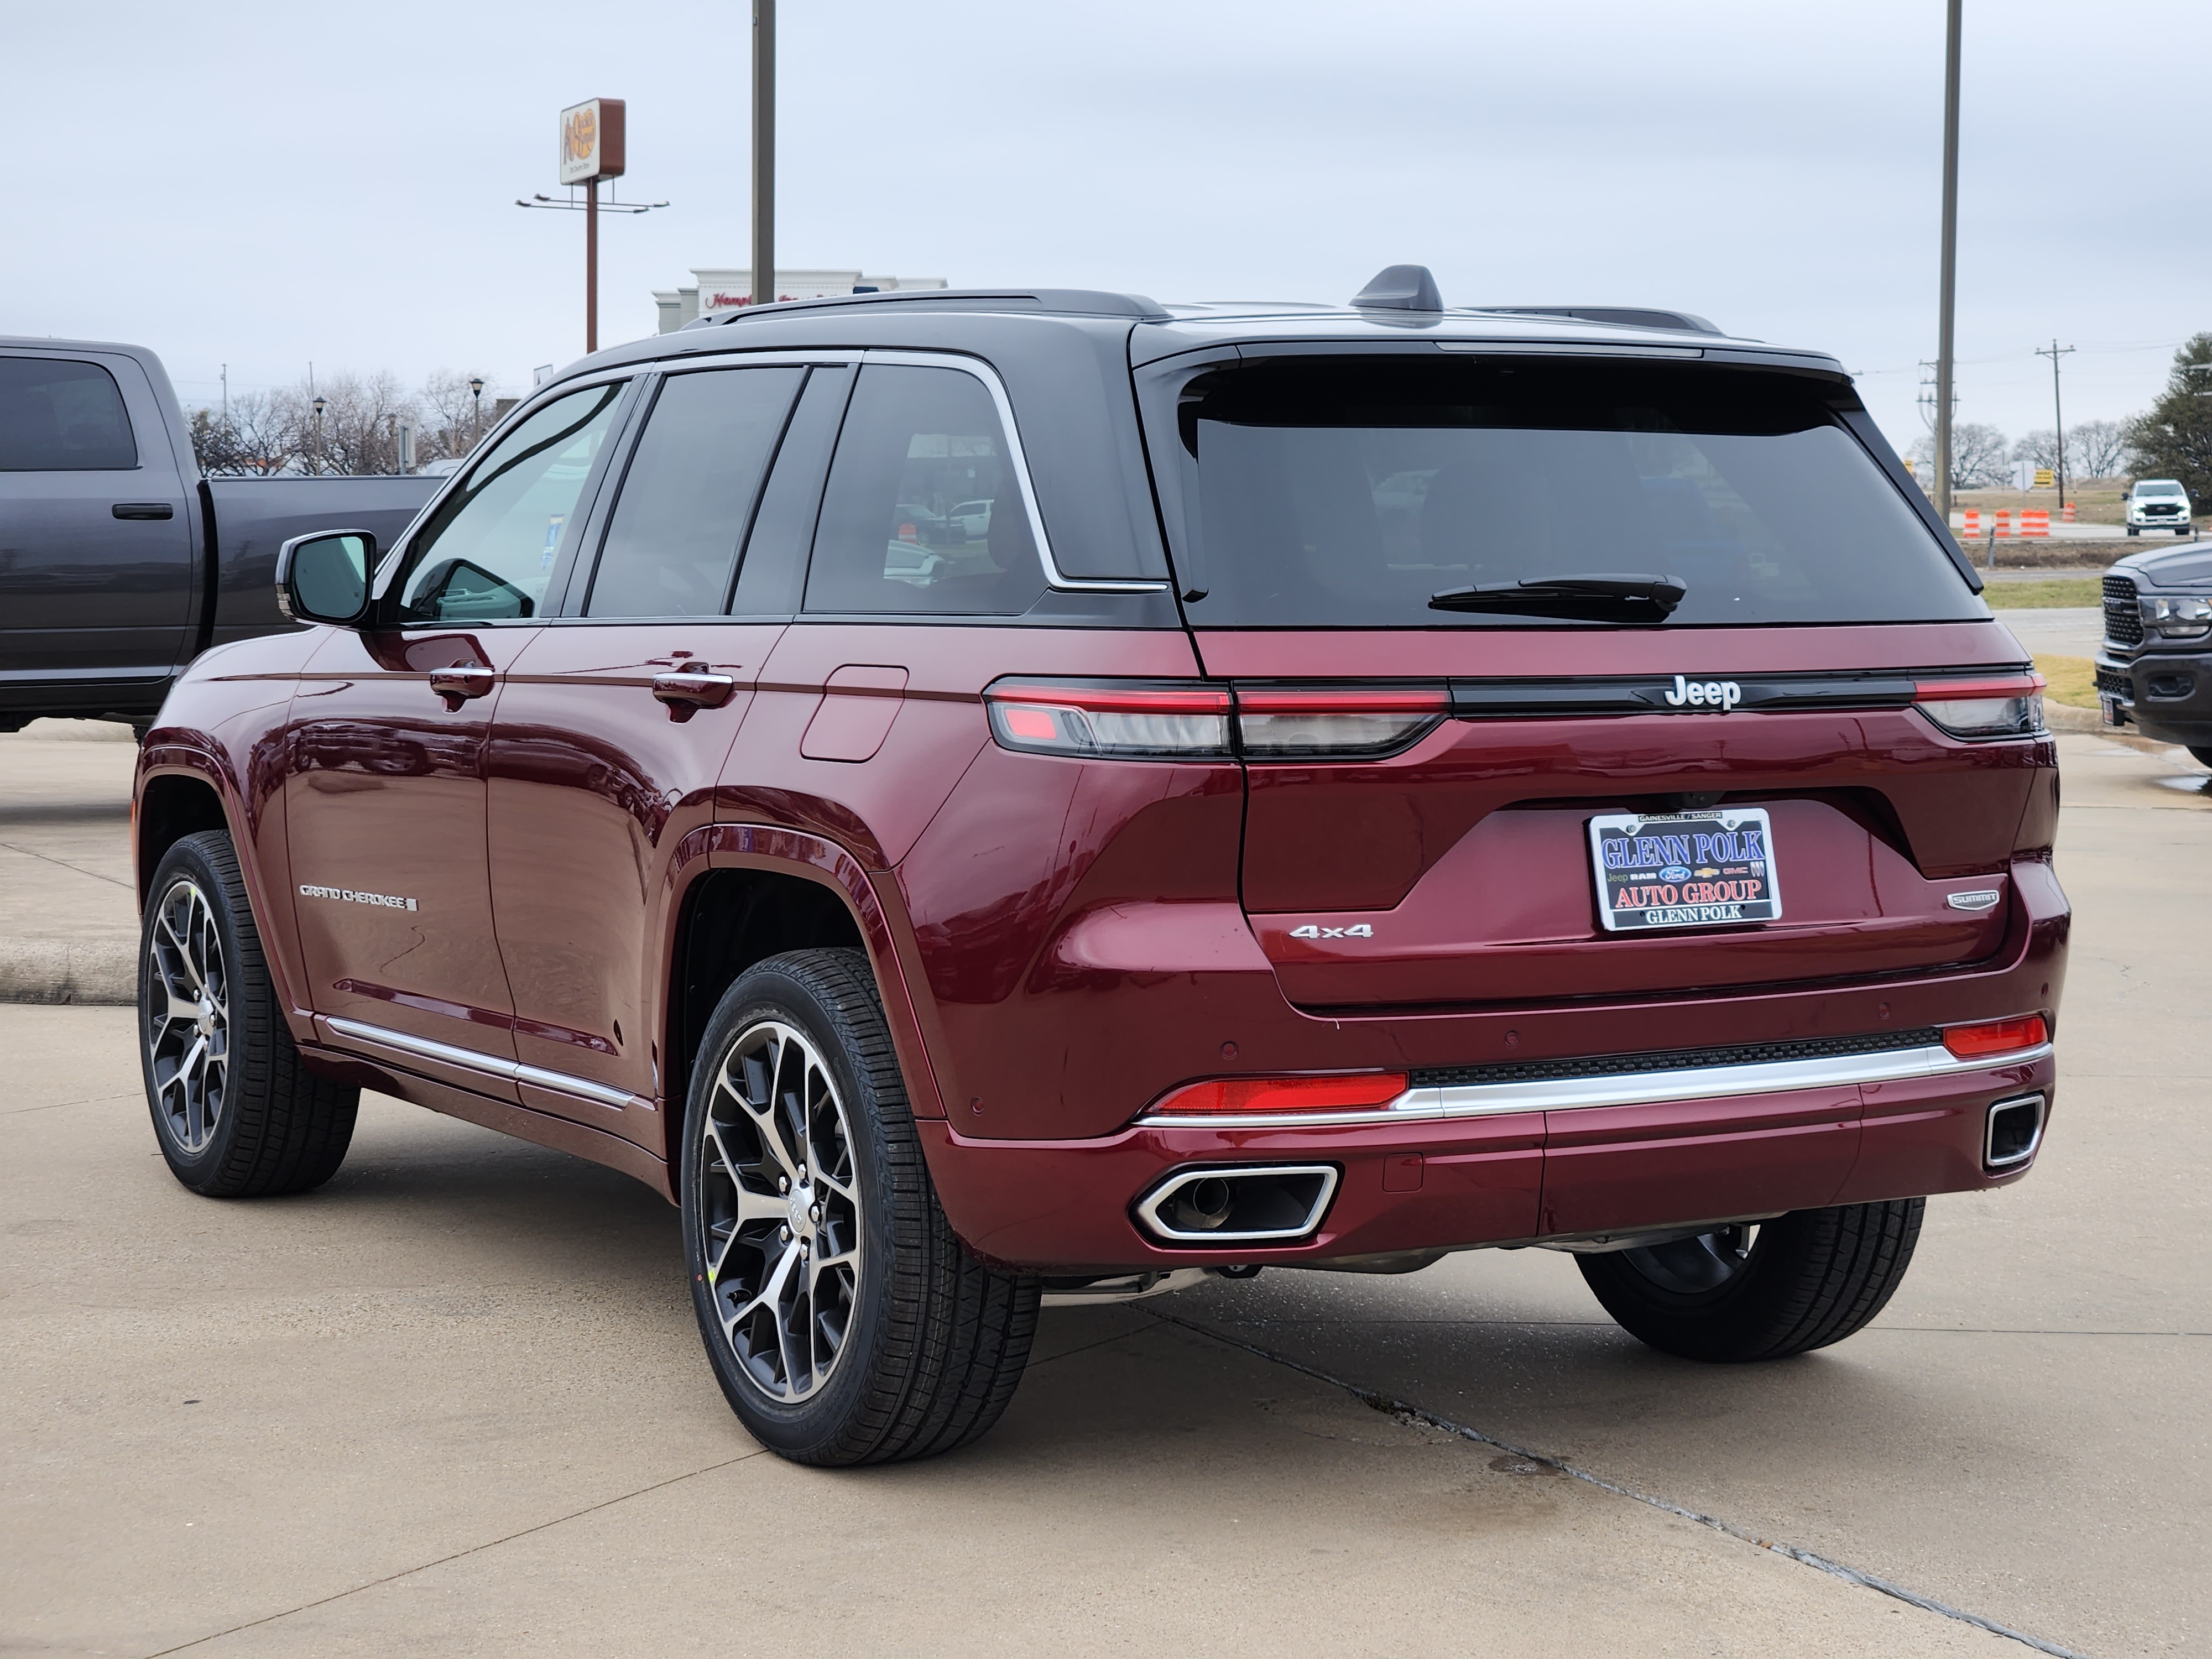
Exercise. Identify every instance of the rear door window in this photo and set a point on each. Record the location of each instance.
(924, 513)
(57, 416)
(1346, 492)
(490, 552)
(687, 494)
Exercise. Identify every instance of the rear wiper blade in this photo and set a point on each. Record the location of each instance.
(1596, 598)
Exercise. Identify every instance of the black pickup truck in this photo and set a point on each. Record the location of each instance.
(119, 563)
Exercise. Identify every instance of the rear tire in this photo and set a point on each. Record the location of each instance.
(1763, 1290)
(2203, 752)
(844, 1321)
(236, 1112)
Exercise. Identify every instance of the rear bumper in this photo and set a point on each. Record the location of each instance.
(1416, 1180)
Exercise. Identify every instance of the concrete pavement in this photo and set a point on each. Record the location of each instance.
(453, 1403)
(69, 923)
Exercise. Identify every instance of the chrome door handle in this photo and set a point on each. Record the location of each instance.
(686, 692)
(457, 685)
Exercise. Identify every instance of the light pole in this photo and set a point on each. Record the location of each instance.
(319, 406)
(1950, 277)
(476, 392)
(763, 152)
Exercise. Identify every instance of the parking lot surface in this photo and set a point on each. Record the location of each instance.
(454, 1403)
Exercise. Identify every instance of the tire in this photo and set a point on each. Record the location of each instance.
(2203, 752)
(912, 1347)
(1761, 1291)
(237, 1113)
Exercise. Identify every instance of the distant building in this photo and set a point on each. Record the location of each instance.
(726, 290)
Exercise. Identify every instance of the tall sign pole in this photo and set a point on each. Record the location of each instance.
(592, 148)
(763, 152)
(1950, 278)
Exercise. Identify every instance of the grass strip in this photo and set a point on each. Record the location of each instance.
(2069, 591)
(2073, 680)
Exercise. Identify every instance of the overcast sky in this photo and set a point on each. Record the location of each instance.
(264, 184)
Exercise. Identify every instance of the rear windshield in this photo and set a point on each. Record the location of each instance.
(1347, 491)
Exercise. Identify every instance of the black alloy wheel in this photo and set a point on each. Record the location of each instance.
(1761, 1290)
(844, 1321)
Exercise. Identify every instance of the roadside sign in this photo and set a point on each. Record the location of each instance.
(2044, 478)
(592, 141)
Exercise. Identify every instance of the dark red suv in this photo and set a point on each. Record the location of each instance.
(979, 797)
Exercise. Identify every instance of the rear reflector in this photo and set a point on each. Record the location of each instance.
(1132, 719)
(1283, 1094)
(2008, 707)
(1997, 1036)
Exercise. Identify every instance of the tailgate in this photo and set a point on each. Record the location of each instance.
(1461, 870)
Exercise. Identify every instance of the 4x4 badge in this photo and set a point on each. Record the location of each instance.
(1358, 930)
(1723, 695)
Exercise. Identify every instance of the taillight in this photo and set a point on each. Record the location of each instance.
(1997, 1036)
(1282, 722)
(1170, 719)
(1135, 719)
(1283, 1094)
(2008, 708)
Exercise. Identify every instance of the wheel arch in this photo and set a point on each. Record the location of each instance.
(747, 892)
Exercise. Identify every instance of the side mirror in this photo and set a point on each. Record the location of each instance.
(324, 578)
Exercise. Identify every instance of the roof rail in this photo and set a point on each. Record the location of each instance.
(1076, 302)
(1621, 316)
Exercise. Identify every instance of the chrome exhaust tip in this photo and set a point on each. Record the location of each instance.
(2014, 1131)
(1247, 1204)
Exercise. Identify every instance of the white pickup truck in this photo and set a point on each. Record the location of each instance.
(2158, 504)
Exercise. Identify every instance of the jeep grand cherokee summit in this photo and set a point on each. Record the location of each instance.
(1280, 837)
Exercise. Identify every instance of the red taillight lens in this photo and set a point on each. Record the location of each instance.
(1997, 1036)
(2008, 708)
(1282, 722)
(1284, 1094)
(1131, 719)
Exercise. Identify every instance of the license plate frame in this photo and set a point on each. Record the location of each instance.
(1648, 889)
(2108, 709)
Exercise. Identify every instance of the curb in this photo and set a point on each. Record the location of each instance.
(63, 970)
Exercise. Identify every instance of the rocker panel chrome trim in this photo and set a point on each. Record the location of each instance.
(508, 1071)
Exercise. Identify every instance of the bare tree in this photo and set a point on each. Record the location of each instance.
(357, 430)
(1977, 456)
(2097, 449)
(2040, 448)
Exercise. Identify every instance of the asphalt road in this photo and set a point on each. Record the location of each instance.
(453, 1403)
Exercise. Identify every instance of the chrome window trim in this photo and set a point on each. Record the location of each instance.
(1629, 1089)
(510, 1071)
(989, 377)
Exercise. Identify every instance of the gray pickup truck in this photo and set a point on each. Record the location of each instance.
(119, 563)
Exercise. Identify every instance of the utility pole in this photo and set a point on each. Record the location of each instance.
(226, 394)
(1950, 278)
(763, 152)
(2058, 415)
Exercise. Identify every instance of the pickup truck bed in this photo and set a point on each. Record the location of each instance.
(119, 563)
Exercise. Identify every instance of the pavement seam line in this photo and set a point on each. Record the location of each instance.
(1377, 1399)
(473, 1549)
(48, 858)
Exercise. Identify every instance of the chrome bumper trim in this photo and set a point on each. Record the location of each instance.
(1629, 1089)
(508, 1071)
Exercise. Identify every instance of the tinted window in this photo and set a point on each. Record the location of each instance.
(689, 490)
(1346, 492)
(923, 512)
(490, 550)
(61, 418)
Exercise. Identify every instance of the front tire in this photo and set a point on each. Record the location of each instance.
(1761, 1289)
(2203, 752)
(844, 1321)
(236, 1112)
